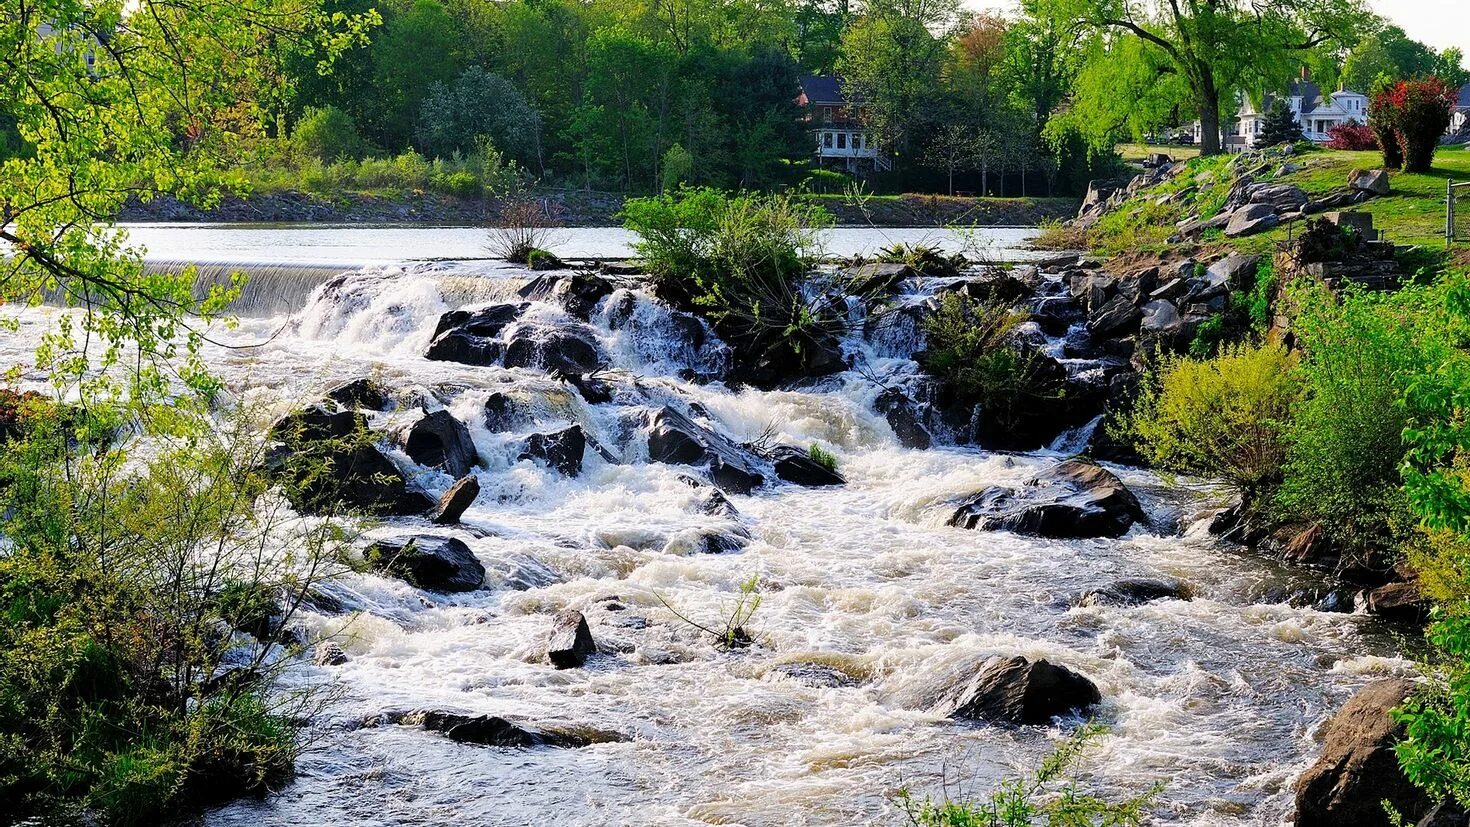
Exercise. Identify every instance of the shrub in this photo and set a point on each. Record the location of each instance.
(827, 181)
(973, 347)
(1047, 797)
(1259, 302)
(328, 134)
(923, 258)
(1416, 113)
(1355, 137)
(1224, 417)
(678, 164)
(1360, 355)
(478, 104)
(524, 231)
(1279, 126)
(459, 183)
(1056, 234)
(826, 459)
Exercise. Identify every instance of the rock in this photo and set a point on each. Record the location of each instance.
(326, 461)
(715, 503)
(577, 293)
(1445, 814)
(1171, 290)
(440, 564)
(1282, 198)
(675, 439)
(1135, 590)
(785, 359)
(571, 641)
(796, 465)
(1399, 601)
(1369, 180)
(494, 731)
(594, 390)
(1019, 691)
(438, 440)
(329, 653)
(459, 497)
(503, 414)
(904, 419)
(816, 675)
(1252, 218)
(472, 337)
(1074, 499)
(561, 450)
(1358, 769)
(875, 278)
(565, 350)
(360, 393)
(1336, 600)
(1118, 317)
(1161, 324)
(1237, 271)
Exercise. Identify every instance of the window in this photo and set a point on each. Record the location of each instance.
(826, 140)
(842, 140)
(826, 114)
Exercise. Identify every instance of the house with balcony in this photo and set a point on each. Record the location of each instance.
(835, 121)
(1315, 110)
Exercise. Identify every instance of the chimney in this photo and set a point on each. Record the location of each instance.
(1306, 73)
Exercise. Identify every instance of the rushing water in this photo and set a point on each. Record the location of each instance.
(1217, 697)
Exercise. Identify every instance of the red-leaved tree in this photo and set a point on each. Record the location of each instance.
(1356, 137)
(1416, 113)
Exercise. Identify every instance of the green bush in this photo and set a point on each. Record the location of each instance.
(822, 457)
(1224, 417)
(1360, 355)
(972, 347)
(328, 134)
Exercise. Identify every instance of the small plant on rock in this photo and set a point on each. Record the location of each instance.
(826, 459)
(733, 633)
(524, 230)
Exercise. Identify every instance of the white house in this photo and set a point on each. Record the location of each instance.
(1315, 111)
(836, 123)
(1460, 115)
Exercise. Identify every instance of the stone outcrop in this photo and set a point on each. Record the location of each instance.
(472, 337)
(1073, 499)
(1020, 691)
(675, 439)
(327, 459)
(438, 440)
(570, 642)
(798, 466)
(562, 450)
(1358, 769)
(439, 564)
(577, 293)
(457, 499)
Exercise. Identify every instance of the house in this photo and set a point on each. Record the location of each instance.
(835, 121)
(1315, 111)
(1460, 115)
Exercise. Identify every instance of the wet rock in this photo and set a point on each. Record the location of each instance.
(457, 499)
(577, 293)
(1399, 601)
(565, 350)
(571, 641)
(796, 465)
(1133, 591)
(1250, 219)
(994, 286)
(438, 440)
(1445, 814)
(770, 363)
(471, 337)
(875, 278)
(1020, 691)
(714, 502)
(503, 414)
(675, 439)
(720, 542)
(594, 389)
(329, 653)
(1335, 600)
(494, 731)
(440, 564)
(903, 417)
(561, 450)
(816, 675)
(1073, 499)
(1358, 769)
(1118, 317)
(1369, 180)
(326, 460)
(360, 393)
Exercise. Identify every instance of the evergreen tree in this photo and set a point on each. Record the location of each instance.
(1279, 127)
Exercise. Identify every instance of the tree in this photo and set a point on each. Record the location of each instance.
(1041, 60)
(415, 50)
(1412, 115)
(1214, 48)
(479, 103)
(328, 134)
(1392, 55)
(952, 149)
(1279, 126)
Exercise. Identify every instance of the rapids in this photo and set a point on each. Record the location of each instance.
(1217, 697)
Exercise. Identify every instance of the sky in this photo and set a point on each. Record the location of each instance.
(1439, 23)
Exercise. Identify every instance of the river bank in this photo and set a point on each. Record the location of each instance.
(579, 209)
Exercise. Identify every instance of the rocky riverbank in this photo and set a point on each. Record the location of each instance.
(578, 209)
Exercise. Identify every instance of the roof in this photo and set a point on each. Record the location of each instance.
(1463, 102)
(825, 89)
(1311, 95)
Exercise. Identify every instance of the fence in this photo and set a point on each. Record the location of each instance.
(1457, 212)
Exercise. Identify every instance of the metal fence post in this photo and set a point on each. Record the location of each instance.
(1449, 213)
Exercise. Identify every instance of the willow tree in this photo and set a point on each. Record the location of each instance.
(1193, 55)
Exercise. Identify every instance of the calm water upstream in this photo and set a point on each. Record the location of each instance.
(1217, 697)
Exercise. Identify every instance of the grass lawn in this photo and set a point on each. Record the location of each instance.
(1134, 153)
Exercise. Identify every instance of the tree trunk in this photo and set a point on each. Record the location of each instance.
(1208, 98)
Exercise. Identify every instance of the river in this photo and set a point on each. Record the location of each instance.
(1217, 697)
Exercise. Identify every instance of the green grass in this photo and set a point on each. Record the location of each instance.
(1134, 153)
(1413, 212)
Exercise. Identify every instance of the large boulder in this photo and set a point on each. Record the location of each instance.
(570, 642)
(472, 336)
(1132, 591)
(439, 564)
(1118, 317)
(1076, 498)
(798, 466)
(577, 293)
(1358, 769)
(903, 417)
(561, 450)
(1250, 219)
(1237, 271)
(675, 439)
(1369, 180)
(327, 460)
(361, 393)
(1399, 601)
(494, 731)
(875, 278)
(438, 440)
(503, 413)
(554, 349)
(1020, 691)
